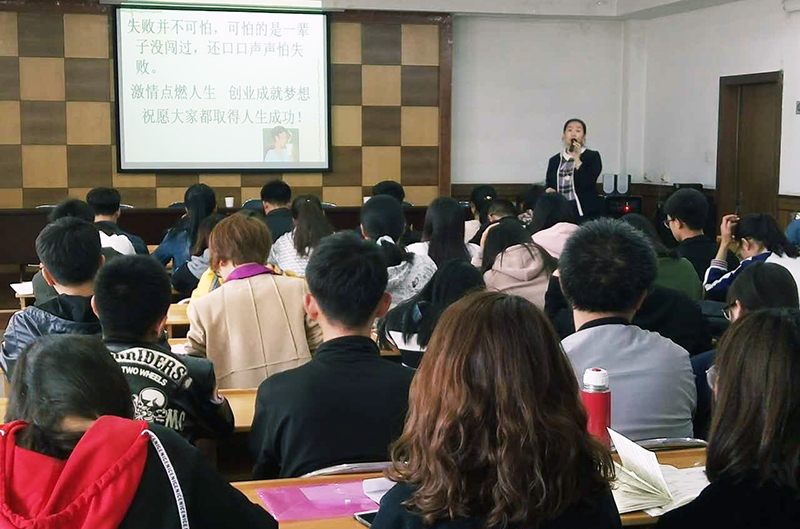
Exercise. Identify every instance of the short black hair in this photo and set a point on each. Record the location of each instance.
(500, 207)
(689, 206)
(276, 192)
(576, 120)
(132, 293)
(72, 207)
(347, 276)
(104, 200)
(70, 250)
(391, 188)
(606, 266)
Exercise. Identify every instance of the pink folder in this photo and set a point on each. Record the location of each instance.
(331, 500)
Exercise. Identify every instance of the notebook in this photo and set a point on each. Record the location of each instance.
(644, 484)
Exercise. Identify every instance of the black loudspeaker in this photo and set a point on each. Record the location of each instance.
(617, 206)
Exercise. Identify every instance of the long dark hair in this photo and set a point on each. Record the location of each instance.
(511, 233)
(763, 286)
(311, 223)
(418, 315)
(495, 426)
(755, 427)
(199, 201)
(641, 223)
(381, 216)
(480, 198)
(764, 229)
(204, 232)
(530, 197)
(64, 376)
(444, 231)
(551, 209)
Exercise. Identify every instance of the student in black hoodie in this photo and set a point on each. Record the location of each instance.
(132, 297)
(105, 203)
(81, 462)
(348, 403)
(70, 253)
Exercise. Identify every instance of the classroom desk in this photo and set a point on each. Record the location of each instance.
(243, 404)
(25, 300)
(176, 316)
(679, 458)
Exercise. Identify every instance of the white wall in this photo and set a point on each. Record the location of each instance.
(686, 55)
(515, 83)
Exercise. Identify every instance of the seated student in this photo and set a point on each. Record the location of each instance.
(67, 208)
(383, 222)
(759, 286)
(292, 251)
(499, 209)
(606, 270)
(527, 203)
(254, 325)
(131, 298)
(553, 223)
(496, 433)
(687, 212)
(105, 203)
(408, 326)
(81, 461)
(69, 250)
(674, 271)
(396, 191)
(347, 404)
(753, 450)
(479, 201)
(276, 196)
(187, 278)
(760, 240)
(514, 264)
(199, 202)
(443, 233)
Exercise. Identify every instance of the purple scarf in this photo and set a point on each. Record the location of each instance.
(249, 270)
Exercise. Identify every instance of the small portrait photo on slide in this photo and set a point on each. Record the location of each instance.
(281, 145)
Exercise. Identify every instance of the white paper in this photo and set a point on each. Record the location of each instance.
(640, 461)
(631, 493)
(178, 348)
(376, 488)
(685, 484)
(23, 289)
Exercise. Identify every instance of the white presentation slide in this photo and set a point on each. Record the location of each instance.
(222, 90)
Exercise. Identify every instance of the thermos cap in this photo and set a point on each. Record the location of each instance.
(595, 378)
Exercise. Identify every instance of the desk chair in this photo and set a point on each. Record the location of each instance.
(125, 206)
(46, 206)
(671, 443)
(350, 468)
(254, 203)
(326, 205)
(177, 205)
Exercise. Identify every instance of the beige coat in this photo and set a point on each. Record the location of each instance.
(253, 328)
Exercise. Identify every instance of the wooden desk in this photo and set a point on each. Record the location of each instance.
(24, 300)
(151, 248)
(3, 406)
(176, 316)
(243, 404)
(678, 458)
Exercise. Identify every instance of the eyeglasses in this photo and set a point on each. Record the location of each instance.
(667, 221)
(726, 311)
(711, 377)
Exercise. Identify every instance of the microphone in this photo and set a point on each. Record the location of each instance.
(572, 146)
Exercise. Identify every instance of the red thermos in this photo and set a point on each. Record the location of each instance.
(596, 396)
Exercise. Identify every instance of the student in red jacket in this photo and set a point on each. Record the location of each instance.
(80, 461)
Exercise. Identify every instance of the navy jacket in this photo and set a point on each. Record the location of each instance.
(60, 315)
(111, 228)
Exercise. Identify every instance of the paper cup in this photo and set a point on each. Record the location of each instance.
(228, 202)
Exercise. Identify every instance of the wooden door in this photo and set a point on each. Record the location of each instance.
(749, 143)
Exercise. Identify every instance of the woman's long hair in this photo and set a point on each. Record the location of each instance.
(311, 224)
(641, 223)
(204, 232)
(200, 202)
(764, 229)
(480, 198)
(551, 209)
(755, 427)
(495, 427)
(64, 376)
(419, 315)
(444, 231)
(511, 233)
(382, 216)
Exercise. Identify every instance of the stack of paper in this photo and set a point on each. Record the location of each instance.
(23, 289)
(643, 484)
